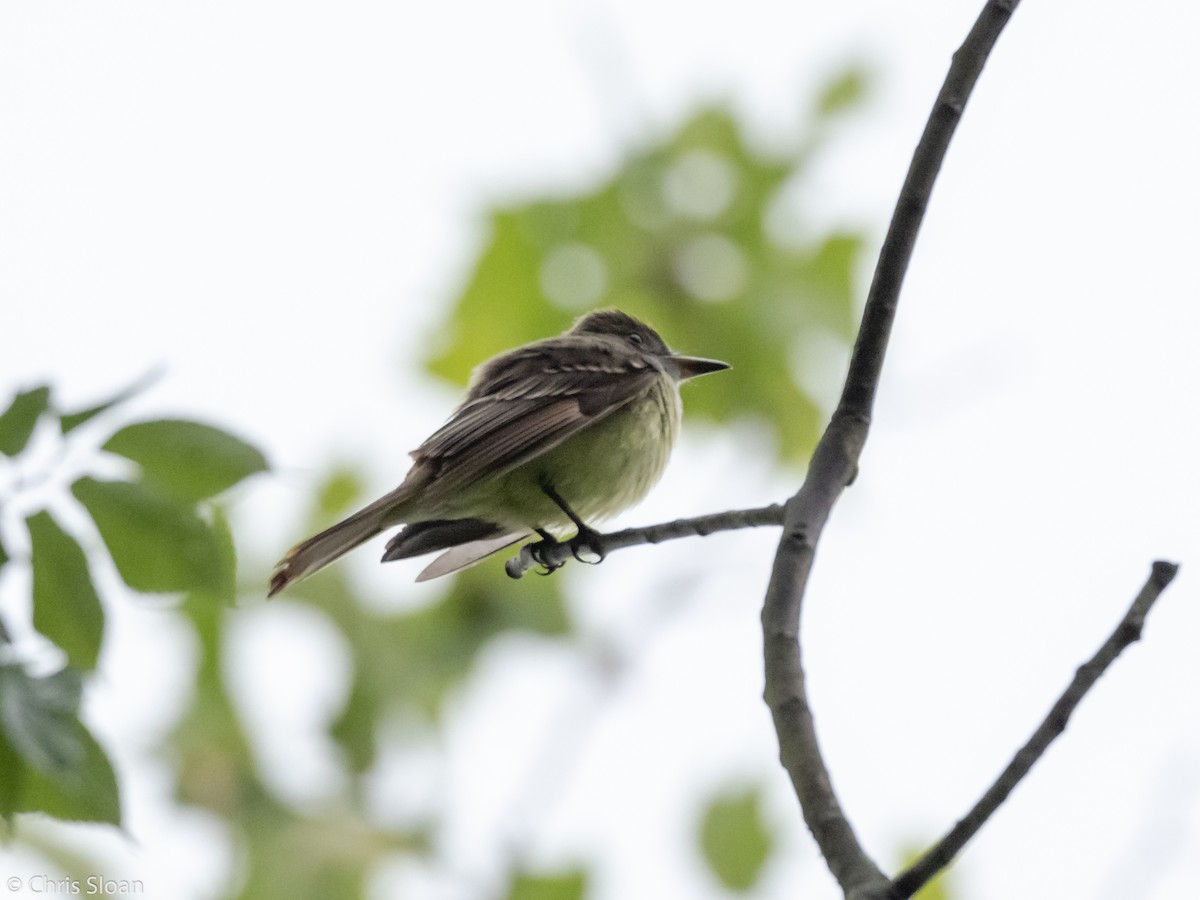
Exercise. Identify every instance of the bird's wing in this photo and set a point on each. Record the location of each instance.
(529, 401)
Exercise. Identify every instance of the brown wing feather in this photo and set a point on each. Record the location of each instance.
(527, 402)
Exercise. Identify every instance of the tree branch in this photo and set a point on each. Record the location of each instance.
(835, 462)
(555, 555)
(1127, 631)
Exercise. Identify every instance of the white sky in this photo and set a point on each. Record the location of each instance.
(274, 198)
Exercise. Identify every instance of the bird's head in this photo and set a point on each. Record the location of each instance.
(638, 334)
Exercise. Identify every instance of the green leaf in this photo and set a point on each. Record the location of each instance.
(70, 421)
(86, 793)
(4, 557)
(18, 421)
(51, 764)
(191, 460)
(735, 840)
(38, 716)
(156, 542)
(568, 886)
(844, 91)
(66, 608)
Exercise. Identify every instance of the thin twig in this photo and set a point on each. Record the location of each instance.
(834, 465)
(1127, 631)
(557, 554)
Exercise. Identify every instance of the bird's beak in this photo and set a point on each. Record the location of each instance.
(691, 366)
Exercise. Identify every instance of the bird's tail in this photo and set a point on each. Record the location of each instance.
(322, 549)
(468, 541)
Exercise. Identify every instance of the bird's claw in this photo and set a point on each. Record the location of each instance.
(537, 553)
(586, 547)
(587, 541)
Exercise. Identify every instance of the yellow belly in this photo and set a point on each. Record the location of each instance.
(600, 471)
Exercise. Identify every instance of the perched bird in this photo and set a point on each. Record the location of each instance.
(552, 435)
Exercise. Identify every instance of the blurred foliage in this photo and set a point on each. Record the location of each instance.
(735, 840)
(159, 539)
(571, 886)
(18, 421)
(843, 92)
(699, 233)
(412, 660)
(66, 607)
(216, 461)
(700, 236)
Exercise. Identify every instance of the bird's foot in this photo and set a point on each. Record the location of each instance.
(539, 553)
(587, 546)
(587, 541)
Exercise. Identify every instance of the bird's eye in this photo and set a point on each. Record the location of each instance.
(635, 337)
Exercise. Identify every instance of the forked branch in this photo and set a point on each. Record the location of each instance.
(1127, 631)
(835, 462)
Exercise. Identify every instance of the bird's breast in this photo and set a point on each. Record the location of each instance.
(609, 465)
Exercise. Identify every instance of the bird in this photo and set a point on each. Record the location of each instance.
(551, 436)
